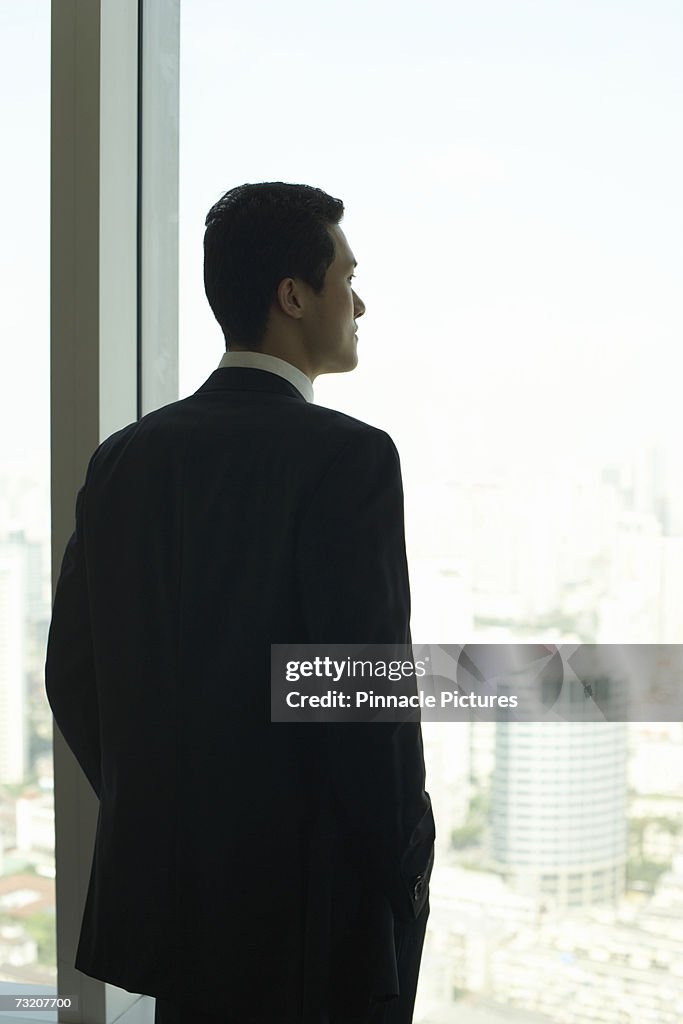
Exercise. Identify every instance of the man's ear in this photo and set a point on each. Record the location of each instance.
(290, 297)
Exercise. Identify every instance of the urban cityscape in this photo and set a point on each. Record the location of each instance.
(558, 885)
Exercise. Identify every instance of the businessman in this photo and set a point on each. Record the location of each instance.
(246, 871)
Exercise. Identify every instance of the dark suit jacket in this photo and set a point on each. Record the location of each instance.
(238, 863)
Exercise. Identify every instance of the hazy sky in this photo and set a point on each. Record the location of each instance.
(511, 173)
(25, 233)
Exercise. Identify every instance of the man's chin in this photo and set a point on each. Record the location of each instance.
(349, 363)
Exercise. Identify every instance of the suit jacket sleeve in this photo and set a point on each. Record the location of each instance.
(69, 667)
(355, 590)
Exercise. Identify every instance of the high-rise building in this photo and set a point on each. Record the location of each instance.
(559, 810)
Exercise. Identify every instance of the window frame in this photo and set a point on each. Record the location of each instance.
(113, 332)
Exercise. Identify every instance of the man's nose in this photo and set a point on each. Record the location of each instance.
(358, 306)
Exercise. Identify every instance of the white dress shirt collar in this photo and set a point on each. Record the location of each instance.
(273, 364)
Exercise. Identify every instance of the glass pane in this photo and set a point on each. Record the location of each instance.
(27, 903)
(511, 179)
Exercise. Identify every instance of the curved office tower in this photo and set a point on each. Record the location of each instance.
(559, 810)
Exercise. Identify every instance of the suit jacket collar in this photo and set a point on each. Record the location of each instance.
(241, 378)
(267, 361)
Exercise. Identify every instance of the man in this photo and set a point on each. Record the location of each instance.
(246, 871)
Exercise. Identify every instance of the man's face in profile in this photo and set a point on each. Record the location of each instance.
(331, 339)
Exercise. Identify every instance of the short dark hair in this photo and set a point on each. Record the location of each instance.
(256, 235)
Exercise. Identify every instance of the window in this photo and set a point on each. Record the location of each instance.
(27, 864)
(511, 181)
